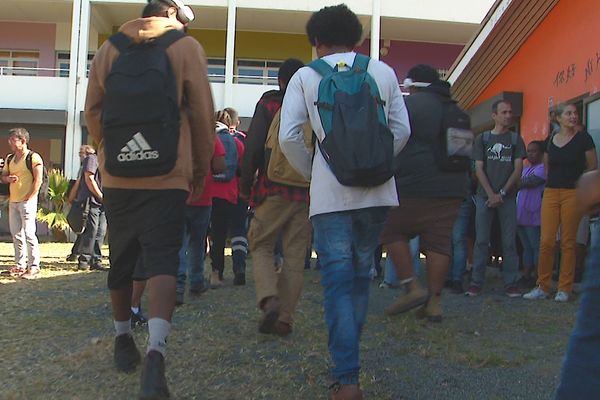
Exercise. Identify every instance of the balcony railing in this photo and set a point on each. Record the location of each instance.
(245, 79)
(33, 71)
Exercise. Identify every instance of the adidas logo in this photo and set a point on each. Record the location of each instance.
(137, 149)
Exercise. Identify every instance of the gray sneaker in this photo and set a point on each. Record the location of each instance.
(561, 297)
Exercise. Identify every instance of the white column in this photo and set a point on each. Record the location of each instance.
(81, 88)
(375, 29)
(72, 91)
(229, 54)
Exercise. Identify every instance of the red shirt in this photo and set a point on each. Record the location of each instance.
(209, 183)
(229, 191)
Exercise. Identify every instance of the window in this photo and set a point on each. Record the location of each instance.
(592, 119)
(63, 63)
(216, 70)
(22, 63)
(257, 72)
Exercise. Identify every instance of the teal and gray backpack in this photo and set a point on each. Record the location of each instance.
(358, 144)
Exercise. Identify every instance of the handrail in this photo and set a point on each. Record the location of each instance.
(3, 70)
(265, 80)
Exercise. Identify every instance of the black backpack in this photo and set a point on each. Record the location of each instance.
(454, 150)
(140, 114)
(358, 144)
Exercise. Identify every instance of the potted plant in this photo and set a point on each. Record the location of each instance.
(52, 210)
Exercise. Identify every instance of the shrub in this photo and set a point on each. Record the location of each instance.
(52, 211)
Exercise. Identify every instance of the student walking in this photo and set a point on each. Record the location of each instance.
(347, 210)
(156, 139)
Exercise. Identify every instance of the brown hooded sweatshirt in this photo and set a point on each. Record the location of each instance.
(197, 133)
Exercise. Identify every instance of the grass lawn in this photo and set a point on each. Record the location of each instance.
(56, 336)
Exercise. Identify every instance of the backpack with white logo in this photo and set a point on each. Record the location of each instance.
(140, 114)
(455, 147)
(231, 157)
(358, 144)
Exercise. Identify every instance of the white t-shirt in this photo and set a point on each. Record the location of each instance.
(326, 193)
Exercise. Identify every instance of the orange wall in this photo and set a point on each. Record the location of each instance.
(565, 44)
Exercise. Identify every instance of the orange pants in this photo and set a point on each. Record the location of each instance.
(559, 208)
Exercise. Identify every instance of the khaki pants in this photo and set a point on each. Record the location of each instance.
(274, 217)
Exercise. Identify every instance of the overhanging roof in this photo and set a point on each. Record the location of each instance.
(502, 33)
(41, 117)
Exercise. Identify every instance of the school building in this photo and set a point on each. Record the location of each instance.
(46, 48)
(537, 54)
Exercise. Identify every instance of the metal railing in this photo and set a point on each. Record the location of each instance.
(32, 71)
(64, 73)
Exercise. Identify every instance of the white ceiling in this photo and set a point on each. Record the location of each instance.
(115, 14)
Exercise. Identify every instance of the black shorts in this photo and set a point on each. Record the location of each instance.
(146, 228)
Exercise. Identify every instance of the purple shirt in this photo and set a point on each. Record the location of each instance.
(529, 200)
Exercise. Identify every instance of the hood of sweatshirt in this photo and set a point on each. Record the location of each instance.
(142, 29)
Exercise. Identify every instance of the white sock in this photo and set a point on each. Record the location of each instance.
(135, 310)
(122, 327)
(158, 330)
(408, 280)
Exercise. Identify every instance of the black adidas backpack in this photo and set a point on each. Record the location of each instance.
(140, 114)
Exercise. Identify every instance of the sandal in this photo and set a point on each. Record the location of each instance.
(16, 272)
(31, 274)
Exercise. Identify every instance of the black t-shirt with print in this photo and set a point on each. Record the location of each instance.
(567, 163)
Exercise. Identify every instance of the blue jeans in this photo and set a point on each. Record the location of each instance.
(530, 240)
(92, 238)
(193, 248)
(345, 242)
(389, 274)
(460, 231)
(507, 214)
(580, 376)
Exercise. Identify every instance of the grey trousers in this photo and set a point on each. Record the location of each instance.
(507, 215)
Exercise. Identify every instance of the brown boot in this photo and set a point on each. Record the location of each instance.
(346, 392)
(414, 295)
(282, 329)
(270, 315)
(215, 281)
(432, 310)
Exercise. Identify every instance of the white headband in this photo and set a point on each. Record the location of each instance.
(408, 82)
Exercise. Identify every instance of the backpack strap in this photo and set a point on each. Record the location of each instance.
(168, 38)
(361, 62)
(513, 141)
(29, 162)
(485, 139)
(321, 67)
(9, 158)
(121, 41)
